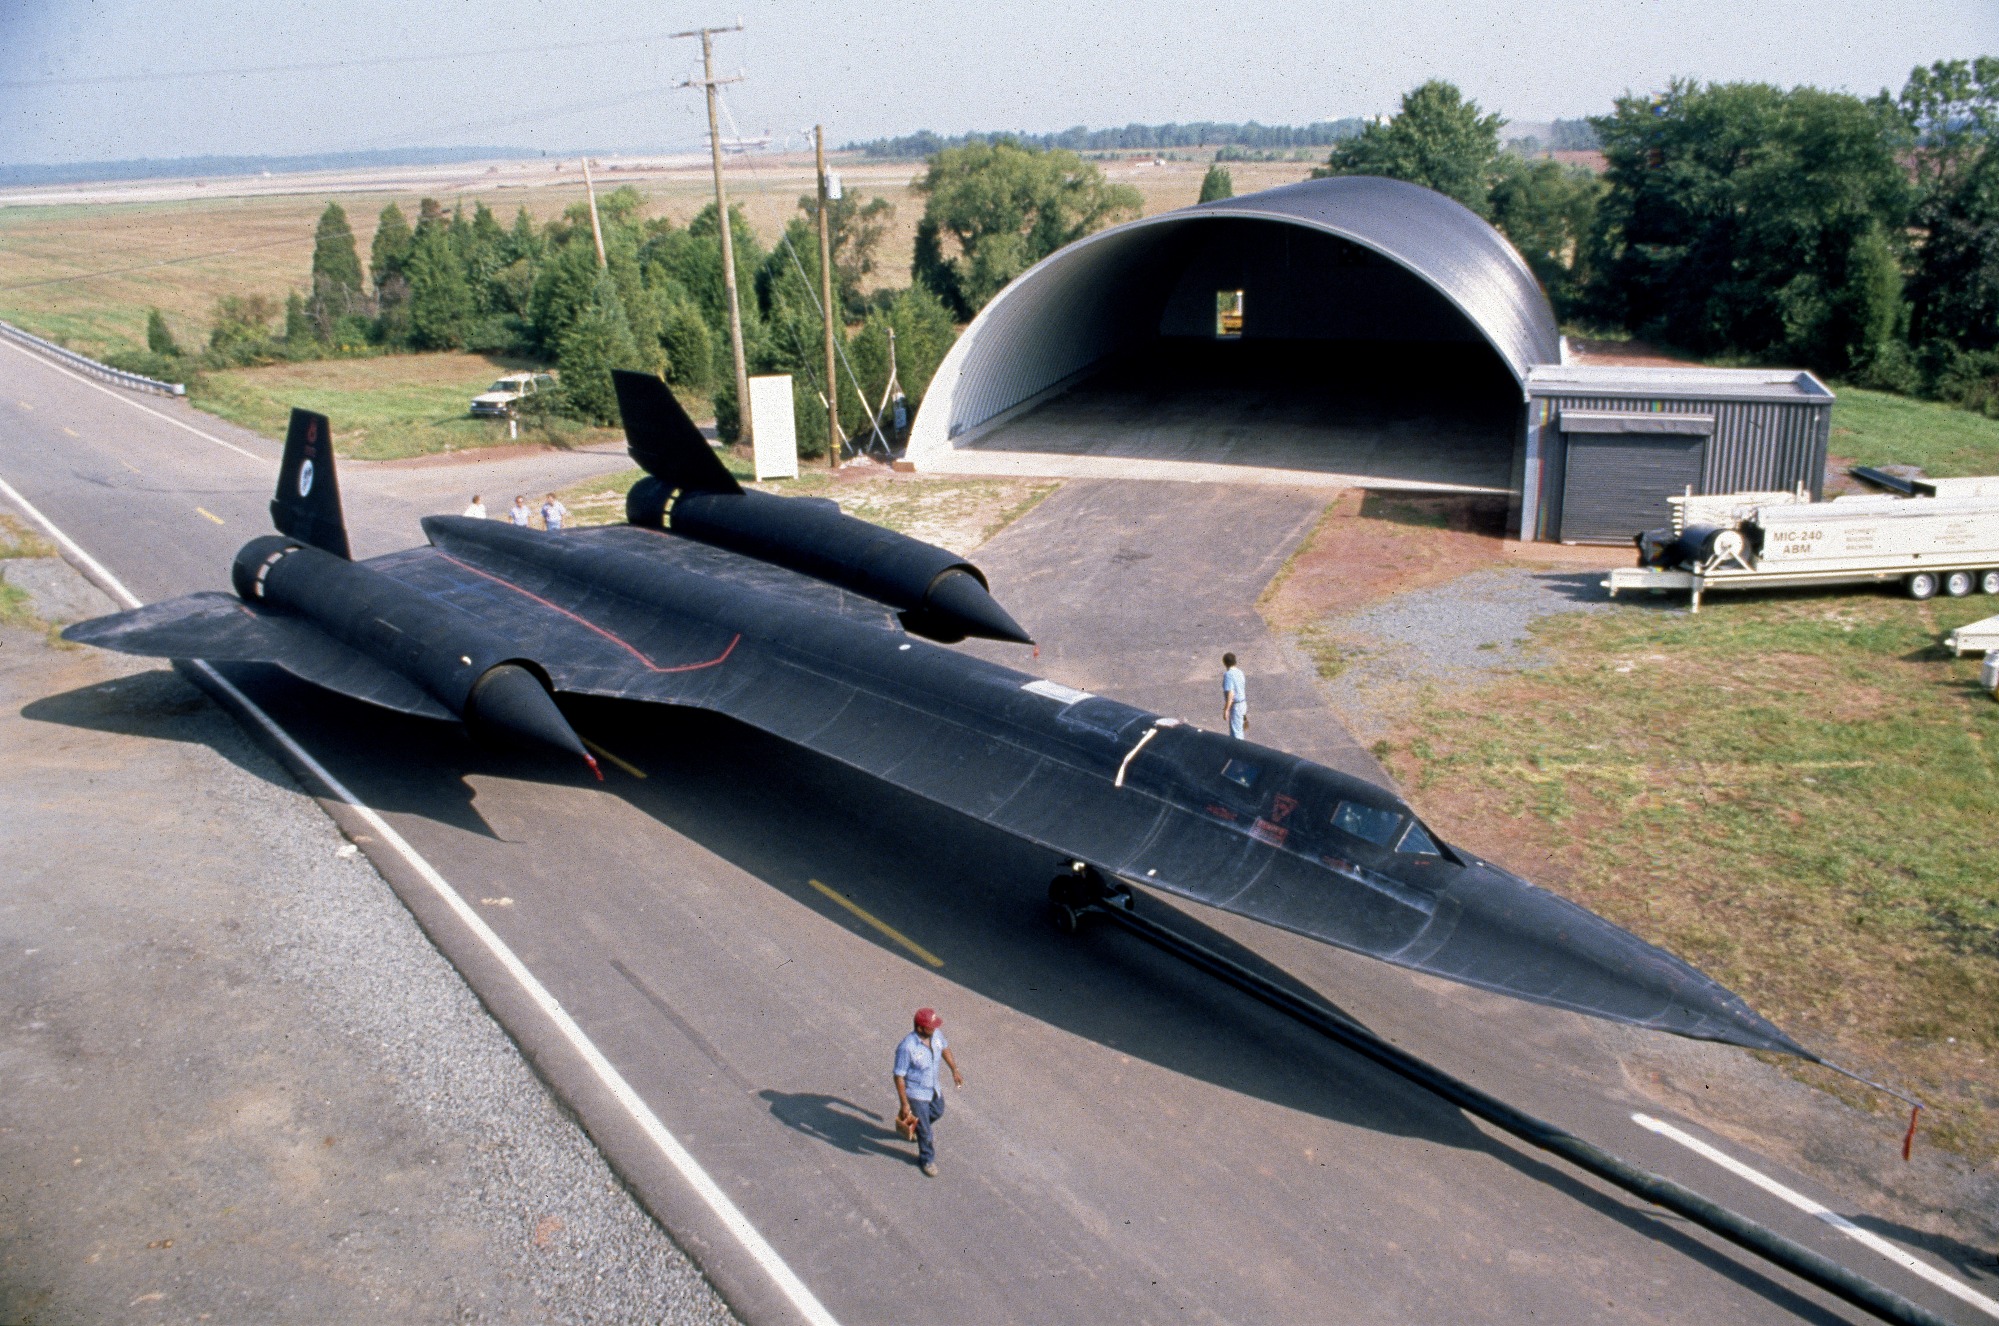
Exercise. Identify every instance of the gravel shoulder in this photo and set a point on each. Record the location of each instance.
(241, 1083)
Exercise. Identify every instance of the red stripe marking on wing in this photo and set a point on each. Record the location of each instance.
(589, 625)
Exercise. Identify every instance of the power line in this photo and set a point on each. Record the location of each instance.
(318, 66)
(825, 313)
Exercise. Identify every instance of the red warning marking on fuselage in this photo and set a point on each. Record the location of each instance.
(623, 644)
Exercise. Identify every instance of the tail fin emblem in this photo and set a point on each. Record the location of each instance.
(305, 479)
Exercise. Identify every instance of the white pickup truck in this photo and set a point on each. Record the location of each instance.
(498, 401)
(1945, 539)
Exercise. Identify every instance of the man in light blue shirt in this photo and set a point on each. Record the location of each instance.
(920, 1102)
(1235, 697)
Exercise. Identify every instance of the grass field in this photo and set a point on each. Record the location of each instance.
(1877, 428)
(263, 245)
(1795, 792)
(382, 408)
(17, 540)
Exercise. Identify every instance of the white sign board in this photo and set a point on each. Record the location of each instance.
(773, 427)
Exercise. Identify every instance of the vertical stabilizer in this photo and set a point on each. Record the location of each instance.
(664, 441)
(307, 503)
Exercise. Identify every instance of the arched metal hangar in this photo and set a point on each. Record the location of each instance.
(1353, 331)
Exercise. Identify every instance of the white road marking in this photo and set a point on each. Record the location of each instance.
(794, 1289)
(1866, 1238)
(124, 398)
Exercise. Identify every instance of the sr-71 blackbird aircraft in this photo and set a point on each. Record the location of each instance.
(789, 616)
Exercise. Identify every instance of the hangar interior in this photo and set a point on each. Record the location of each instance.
(1317, 330)
(1261, 344)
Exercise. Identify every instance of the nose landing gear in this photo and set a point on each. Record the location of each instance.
(1081, 892)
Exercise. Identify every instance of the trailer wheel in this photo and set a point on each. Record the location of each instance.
(1922, 585)
(1958, 583)
(1988, 582)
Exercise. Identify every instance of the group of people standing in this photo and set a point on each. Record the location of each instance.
(553, 513)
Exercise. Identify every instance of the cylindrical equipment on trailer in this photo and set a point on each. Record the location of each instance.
(1699, 544)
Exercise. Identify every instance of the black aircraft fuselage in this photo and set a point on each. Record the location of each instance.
(791, 617)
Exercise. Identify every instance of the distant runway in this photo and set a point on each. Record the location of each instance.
(741, 932)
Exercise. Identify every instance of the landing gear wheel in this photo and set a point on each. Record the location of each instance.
(1958, 583)
(1922, 585)
(1988, 582)
(1068, 895)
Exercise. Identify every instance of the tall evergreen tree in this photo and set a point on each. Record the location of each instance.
(690, 346)
(390, 254)
(336, 265)
(597, 341)
(440, 303)
(299, 336)
(1217, 184)
(160, 337)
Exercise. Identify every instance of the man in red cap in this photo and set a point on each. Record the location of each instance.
(919, 1098)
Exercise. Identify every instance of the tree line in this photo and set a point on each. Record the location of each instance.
(1856, 237)
(1132, 137)
(459, 280)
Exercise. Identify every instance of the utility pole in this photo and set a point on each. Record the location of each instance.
(709, 82)
(826, 303)
(596, 231)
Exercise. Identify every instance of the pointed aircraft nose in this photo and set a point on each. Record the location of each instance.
(510, 700)
(958, 597)
(1510, 936)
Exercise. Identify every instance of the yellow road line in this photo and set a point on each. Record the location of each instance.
(921, 952)
(130, 466)
(212, 516)
(71, 431)
(626, 765)
(24, 405)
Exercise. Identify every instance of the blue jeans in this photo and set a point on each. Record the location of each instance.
(927, 1113)
(1238, 720)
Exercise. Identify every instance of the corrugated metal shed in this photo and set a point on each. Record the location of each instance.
(1087, 300)
(1766, 430)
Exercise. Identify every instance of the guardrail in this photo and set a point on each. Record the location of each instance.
(84, 363)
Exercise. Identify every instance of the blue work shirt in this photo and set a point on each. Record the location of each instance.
(916, 1063)
(1235, 687)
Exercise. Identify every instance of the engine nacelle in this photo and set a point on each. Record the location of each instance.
(939, 594)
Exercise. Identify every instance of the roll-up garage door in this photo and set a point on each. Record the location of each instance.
(1621, 468)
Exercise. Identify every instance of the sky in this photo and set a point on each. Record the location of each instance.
(91, 80)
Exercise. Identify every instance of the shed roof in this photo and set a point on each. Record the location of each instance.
(1694, 382)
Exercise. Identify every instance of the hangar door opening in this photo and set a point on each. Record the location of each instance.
(1258, 343)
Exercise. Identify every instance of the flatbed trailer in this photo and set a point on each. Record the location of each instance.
(1945, 543)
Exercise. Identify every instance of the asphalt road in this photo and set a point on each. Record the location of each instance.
(743, 930)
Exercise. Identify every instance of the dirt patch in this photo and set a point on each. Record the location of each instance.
(481, 456)
(1630, 353)
(954, 513)
(1370, 546)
